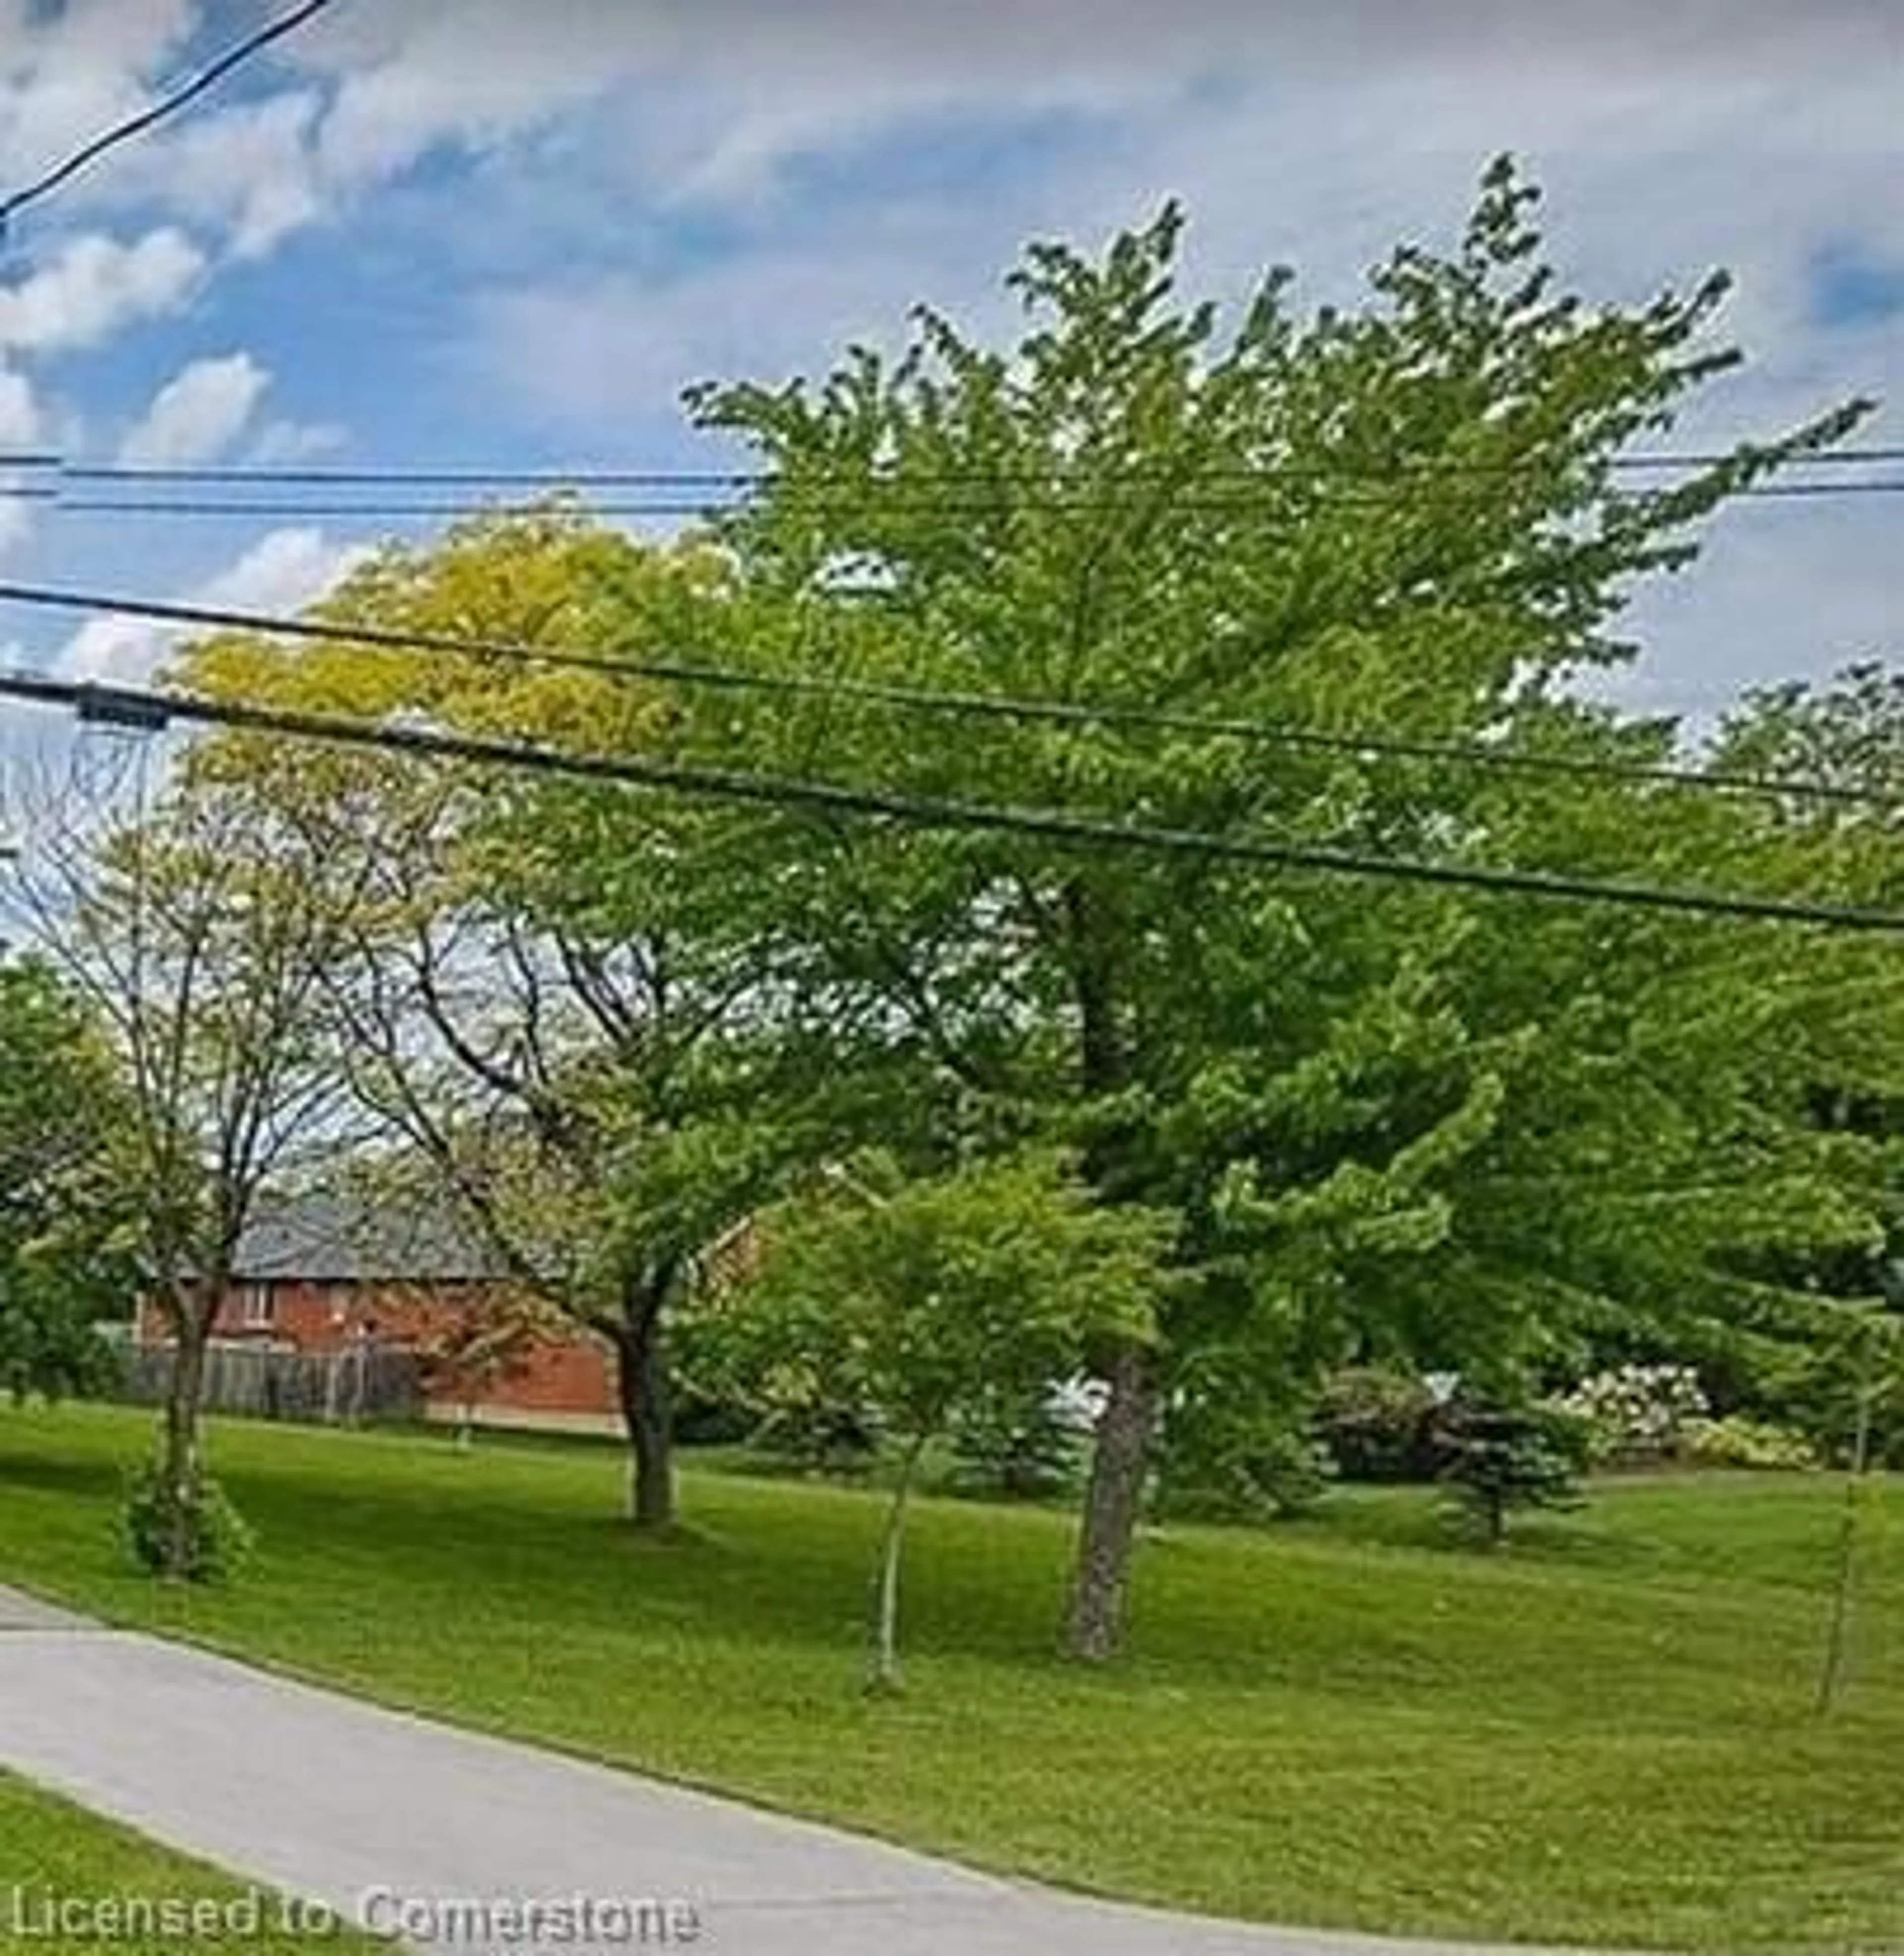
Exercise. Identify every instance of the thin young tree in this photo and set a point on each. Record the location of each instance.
(920, 1300)
(199, 942)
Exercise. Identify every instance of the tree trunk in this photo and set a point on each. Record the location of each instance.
(647, 1403)
(1108, 1533)
(1120, 1453)
(1831, 1673)
(884, 1677)
(181, 1463)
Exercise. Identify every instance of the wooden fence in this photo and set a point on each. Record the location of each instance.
(335, 1388)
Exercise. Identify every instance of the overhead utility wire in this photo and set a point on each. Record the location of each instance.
(926, 699)
(227, 507)
(168, 105)
(1210, 501)
(153, 711)
(393, 475)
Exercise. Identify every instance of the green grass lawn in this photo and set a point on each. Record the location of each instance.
(51, 1854)
(1605, 1735)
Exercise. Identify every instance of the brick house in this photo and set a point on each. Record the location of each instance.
(321, 1276)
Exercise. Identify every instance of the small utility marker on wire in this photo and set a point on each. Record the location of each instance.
(905, 810)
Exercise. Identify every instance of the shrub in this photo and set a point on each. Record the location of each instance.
(1380, 1425)
(734, 1385)
(835, 1440)
(1505, 1454)
(1636, 1414)
(1282, 1472)
(199, 1537)
(1023, 1452)
(704, 1420)
(1739, 1442)
(1235, 1448)
(1818, 1394)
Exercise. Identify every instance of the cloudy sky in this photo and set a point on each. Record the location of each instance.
(435, 232)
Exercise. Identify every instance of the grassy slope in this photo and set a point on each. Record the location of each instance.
(1604, 1736)
(49, 1848)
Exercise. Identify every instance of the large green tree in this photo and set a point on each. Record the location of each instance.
(1405, 515)
(1830, 1320)
(61, 1267)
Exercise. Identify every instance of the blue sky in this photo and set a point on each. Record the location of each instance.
(486, 231)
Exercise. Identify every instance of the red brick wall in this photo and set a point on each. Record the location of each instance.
(571, 1377)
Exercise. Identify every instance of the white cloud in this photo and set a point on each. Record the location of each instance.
(22, 427)
(285, 443)
(622, 347)
(809, 146)
(198, 414)
(68, 72)
(20, 423)
(721, 97)
(760, 83)
(282, 572)
(1776, 594)
(94, 287)
(1670, 137)
(472, 73)
(15, 523)
(248, 170)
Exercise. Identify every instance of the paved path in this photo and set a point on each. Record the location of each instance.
(371, 1813)
(28, 1613)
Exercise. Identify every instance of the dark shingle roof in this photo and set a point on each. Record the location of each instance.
(343, 1239)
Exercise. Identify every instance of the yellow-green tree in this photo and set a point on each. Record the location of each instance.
(552, 1025)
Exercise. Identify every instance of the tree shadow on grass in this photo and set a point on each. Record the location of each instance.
(61, 1477)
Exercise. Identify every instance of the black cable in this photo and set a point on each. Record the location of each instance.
(230, 509)
(391, 475)
(151, 711)
(1880, 485)
(927, 700)
(160, 111)
(1207, 502)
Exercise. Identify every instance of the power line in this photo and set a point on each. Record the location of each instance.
(167, 106)
(225, 507)
(1877, 485)
(998, 706)
(145, 709)
(1208, 502)
(582, 475)
(393, 476)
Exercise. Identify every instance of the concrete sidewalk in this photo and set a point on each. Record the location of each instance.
(388, 1818)
(28, 1613)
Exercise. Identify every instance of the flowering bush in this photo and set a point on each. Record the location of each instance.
(1635, 1414)
(1747, 1443)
